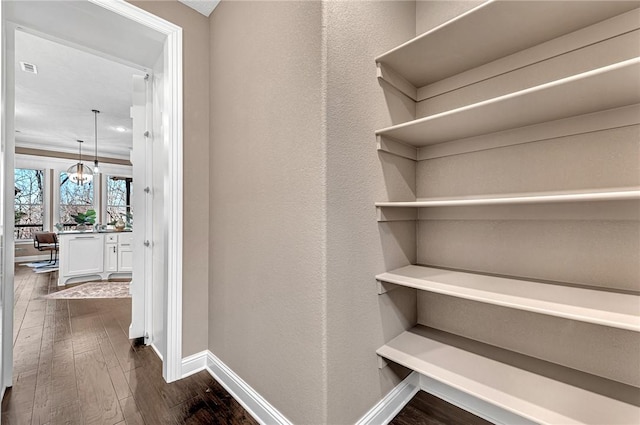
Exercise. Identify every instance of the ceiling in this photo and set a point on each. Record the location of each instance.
(203, 6)
(53, 107)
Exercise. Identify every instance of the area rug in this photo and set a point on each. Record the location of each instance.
(93, 290)
(42, 266)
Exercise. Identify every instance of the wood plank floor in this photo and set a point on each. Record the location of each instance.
(427, 409)
(74, 364)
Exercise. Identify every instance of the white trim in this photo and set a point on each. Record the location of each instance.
(158, 353)
(8, 223)
(62, 164)
(387, 408)
(30, 258)
(194, 363)
(173, 105)
(471, 404)
(261, 410)
(105, 152)
(134, 13)
(172, 366)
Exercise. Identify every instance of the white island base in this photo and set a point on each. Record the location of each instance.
(92, 255)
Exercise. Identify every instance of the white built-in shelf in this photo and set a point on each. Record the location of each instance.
(604, 88)
(514, 382)
(540, 198)
(491, 31)
(618, 310)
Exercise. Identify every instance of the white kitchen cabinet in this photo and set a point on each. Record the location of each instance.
(111, 253)
(125, 252)
(85, 256)
(81, 254)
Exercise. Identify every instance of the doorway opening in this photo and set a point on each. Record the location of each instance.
(157, 54)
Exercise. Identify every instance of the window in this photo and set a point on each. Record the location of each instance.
(119, 199)
(29, 202)
(74, 198)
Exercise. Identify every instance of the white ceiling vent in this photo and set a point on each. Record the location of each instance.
(29, 67)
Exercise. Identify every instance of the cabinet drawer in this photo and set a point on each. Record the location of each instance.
(111, 238)
(126, 240)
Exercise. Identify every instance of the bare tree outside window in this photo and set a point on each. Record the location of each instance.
(119, 199)
(29, 202)
(74, 199)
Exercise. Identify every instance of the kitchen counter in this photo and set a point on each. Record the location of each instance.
(76, 232)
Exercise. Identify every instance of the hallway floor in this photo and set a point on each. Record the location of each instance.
(74, 364)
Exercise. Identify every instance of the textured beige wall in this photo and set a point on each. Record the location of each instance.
(195, 32)
(267, 297)
(295, 244)
(358, 320)
(430, 13)
(595, 160)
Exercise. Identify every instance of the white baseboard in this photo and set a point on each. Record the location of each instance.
(387, 408)
(261, 410)
(392, 403)
(194, 363)
(30, 258)
(158, 353)
(382, 413)
(250, 399)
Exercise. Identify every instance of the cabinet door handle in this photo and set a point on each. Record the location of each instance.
(85, 237)
(114, 249)
(125, 244)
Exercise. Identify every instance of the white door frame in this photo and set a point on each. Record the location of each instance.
(173, 130)
(172, 363)
(8, 223)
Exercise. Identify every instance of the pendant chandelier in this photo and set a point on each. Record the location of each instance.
(96, 170)
(80, 173)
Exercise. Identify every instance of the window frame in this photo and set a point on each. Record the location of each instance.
(105, 192)
(58, 204)
(46, 198)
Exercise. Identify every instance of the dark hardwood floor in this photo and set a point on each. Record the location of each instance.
(427, 409)
(74, 364)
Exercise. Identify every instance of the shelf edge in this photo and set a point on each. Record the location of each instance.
(569, 197)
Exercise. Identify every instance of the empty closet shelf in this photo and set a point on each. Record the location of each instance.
(428, 57)
(601, 89)
(612, 309)
(514, 382)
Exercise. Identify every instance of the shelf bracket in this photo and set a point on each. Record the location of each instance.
(382, 362)
(396, 214)
(384, 287)
(386, 144)
(397, 81)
